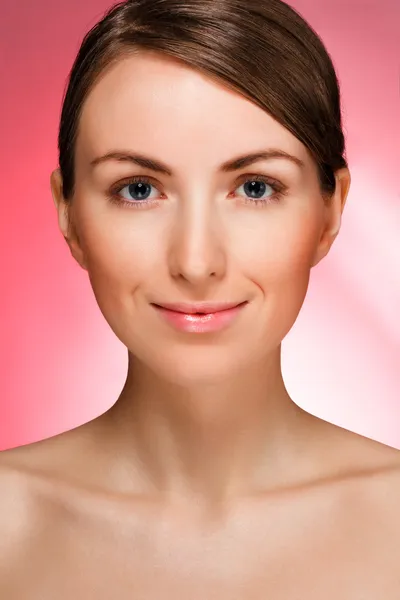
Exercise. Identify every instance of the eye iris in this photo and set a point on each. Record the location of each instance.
(140, 191)
(255, 189)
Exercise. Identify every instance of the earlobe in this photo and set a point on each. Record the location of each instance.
(343, 182)
(59, 202)
(334, 213)
(64, 220)
(322, 250)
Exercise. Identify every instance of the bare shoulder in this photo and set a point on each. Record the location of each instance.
(20, 512)
(68, 458)
(374, 497)
(30, 479)
(355, 451)
(381, 463)
(368, 469)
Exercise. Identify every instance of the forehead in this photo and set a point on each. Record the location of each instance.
(157, 105)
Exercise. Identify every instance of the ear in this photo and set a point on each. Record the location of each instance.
(65, 222)
(334, 211)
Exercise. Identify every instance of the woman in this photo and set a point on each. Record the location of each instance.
(201, 177)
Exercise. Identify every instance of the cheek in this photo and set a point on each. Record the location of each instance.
(119, 257)
(279, 264)
(281, 254)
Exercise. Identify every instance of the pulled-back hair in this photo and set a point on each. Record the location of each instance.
(262, 49)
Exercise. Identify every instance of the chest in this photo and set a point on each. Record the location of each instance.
(270, 561)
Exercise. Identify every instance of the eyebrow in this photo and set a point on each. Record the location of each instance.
(229, 166)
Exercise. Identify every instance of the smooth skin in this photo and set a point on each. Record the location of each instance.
(204, 479)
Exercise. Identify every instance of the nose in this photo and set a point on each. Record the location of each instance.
(197, 255)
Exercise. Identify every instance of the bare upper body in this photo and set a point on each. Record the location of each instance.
(208, 484)
(67, 531)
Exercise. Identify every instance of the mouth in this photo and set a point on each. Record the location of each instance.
(200, 318)
(200, 308)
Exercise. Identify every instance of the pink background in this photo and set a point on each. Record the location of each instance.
(61, 365)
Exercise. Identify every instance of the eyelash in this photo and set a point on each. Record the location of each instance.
(279, 191)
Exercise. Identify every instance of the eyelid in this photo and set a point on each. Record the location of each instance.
(238, 181)
(256, 176)
(117, 187)
(280, 190)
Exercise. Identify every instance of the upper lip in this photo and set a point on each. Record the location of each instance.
(199, 307)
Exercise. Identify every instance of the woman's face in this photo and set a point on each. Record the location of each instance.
(198, 233)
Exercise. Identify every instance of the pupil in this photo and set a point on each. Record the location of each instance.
(139, 190)
(254, 188)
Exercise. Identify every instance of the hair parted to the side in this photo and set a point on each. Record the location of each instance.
(262, 49)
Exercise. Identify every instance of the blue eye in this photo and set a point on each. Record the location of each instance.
(260, 190)
(135, 193)
(139, 191)
(256, 188)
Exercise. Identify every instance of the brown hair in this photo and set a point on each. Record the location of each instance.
(262, 49)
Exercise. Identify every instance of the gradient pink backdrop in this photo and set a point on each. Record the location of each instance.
(61, 365)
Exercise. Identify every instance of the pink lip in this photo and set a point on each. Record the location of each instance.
(214, 318)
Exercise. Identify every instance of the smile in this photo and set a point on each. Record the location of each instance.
(204, 318)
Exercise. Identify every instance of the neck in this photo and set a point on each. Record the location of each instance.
(211, 441)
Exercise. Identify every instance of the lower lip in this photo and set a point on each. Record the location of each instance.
(206, 323)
